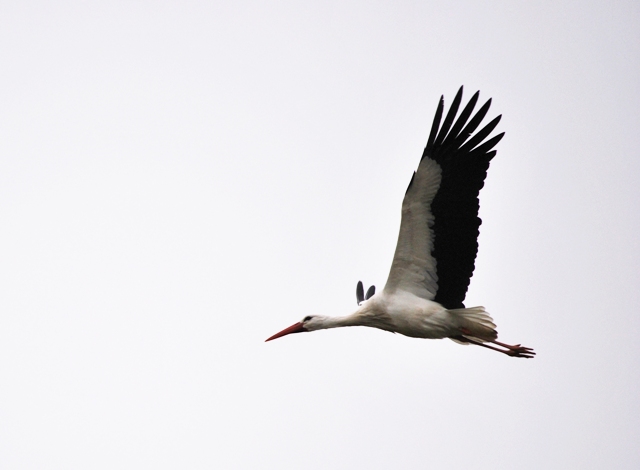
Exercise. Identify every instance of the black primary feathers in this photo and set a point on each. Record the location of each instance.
(370, 292)
(360, 292)
(464, 165)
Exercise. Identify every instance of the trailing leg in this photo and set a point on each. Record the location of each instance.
(513, 351)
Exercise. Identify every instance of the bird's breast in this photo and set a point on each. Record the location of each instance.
(419, 318)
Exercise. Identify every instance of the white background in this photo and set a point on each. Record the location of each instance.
(181, 180)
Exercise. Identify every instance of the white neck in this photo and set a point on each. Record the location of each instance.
(364, 316)
(338, 322)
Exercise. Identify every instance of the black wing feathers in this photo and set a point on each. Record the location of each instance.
(370, 292)
(455, 207)
(473, 124)
(449, 119)
(488, 145)
(360, 296)
(480, 136)
(359, 292)
(466, 112)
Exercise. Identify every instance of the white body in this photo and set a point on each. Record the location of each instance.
(405, 313)
(412, 315)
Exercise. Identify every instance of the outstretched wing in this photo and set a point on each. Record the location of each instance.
(437, 245)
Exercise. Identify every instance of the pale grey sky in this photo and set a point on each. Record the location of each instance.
(181, 180)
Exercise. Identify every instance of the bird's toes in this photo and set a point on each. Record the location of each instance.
(521, 351)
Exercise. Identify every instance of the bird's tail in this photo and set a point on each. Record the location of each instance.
(475, 324)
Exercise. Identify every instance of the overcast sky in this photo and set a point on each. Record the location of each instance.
(181, 180)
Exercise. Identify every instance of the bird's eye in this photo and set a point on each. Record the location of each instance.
(307, 318)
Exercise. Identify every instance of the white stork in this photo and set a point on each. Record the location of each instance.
(437, 245)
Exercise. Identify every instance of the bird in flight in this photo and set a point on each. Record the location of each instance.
(437, 245)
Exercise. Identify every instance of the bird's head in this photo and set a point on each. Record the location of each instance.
(308, 323)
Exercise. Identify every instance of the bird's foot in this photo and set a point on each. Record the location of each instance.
(520, 351)
(517, 350)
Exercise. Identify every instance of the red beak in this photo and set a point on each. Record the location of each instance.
(297, 328)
